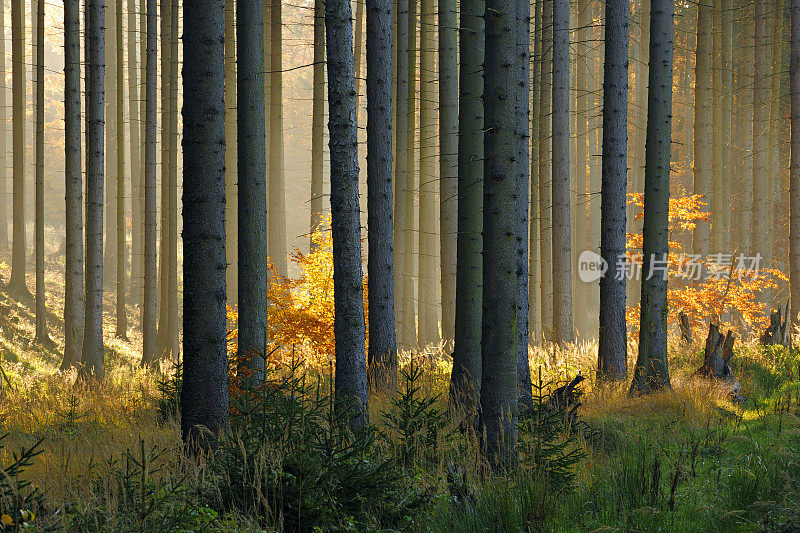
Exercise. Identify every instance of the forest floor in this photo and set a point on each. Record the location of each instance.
(687, 460)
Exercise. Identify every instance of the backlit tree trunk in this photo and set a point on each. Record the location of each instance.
(18, 250)
(276, 185)
(702, 125)
(41, 308)
(546, 171)
(231, 198)
(318, 119)
(122, 249)
(794, 175)
(3, 135)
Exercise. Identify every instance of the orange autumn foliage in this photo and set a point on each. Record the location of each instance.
(301, 308)
(724, 293)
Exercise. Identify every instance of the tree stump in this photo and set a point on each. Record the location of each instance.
(779, 330)
(716, 360)
(686, 328)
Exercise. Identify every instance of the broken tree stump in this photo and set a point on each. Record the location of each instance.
(716, 360)
(779, 330)
(686, 328)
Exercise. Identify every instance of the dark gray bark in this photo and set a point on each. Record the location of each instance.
(651, 372)
(149, 340)
(401, 168)
(502, 69)
(252, 185)
(794, 174)
(122, 248)
(92, 356)
(318, 119)
(204, 396)
(448, 160)
(612, 347)
(18, 249)
(41, 308)
(73, 188)
(522, 164)
(349, 328)
(382, 357)
(465, 379)
(562, 255)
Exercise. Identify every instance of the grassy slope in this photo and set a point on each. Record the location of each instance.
(731, 468)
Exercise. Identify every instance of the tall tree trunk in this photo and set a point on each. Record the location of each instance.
(401, 170)
(722, 241)
(252, 185)
(774, 204)
(465, 379)
(122, 249)
(545, 171)
(149, 340)
(523, 177)
(502, 70)
(3, 135)
(231, 163)
(745, 122)
(142, 134)
(534, 256)
(92, 356)
(172, 340)
(612, 362)
(581, 209)
(318, 120)
(111, 130)
(73, 188)
(41, 309)
(164, 334)
(759, 211)
(382, 357)
(409, 329)
(349, 328)
(204, 395)
(358, 50)
(702, 124)
(427, 319)
(448, 160)
(17, 283)
(276, 186)
(135, 155)
(794, 174)
(562, 258)
(651, 372)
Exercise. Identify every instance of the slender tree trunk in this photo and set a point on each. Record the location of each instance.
(349, 328)
(401, 171)
(142, 134)
(745, 122)
(358, 50)
(723, 242)
(523, 177)
(3, 135)
(562, 258)
(774, 204)
(427, 317)
(760, 214)
(252, 185)
(17, 283)
(111, 130)
(581, 209)
(164, 334)
(534, 256)
(122, 249)
(651, 373)
(703, 148)
(545, 171)
(73, 188)
(409, 331)
(204, 395)
(231, 163)
(172, 339)
(794, 174)
(92, 356)
(318, 120)
(382, 358)
(276, 185)
(502, 70)
(718, 172)
(448, 160)
(135, 156)
(465, 379)
(41, 308)
(612, 362)
(149, 340)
